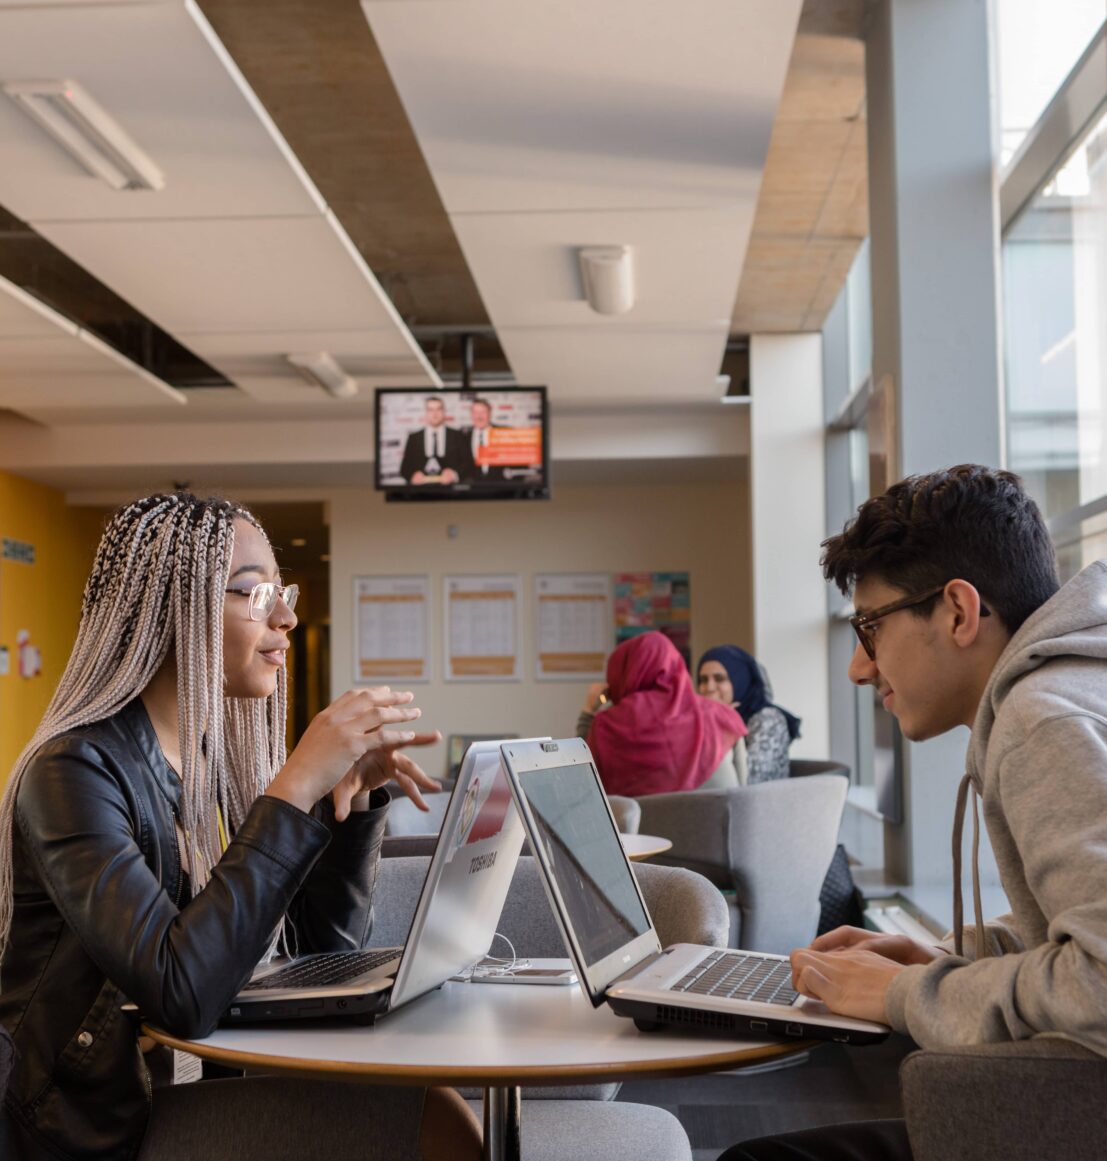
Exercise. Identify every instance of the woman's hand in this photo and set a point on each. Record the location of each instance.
(898, 948)
(380, 765)
(337, 741)
(595, 698)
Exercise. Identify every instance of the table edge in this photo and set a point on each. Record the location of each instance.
(367, 1072)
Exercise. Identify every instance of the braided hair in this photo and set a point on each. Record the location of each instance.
(158, 583)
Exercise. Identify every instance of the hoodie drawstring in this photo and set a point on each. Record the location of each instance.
(982, 948)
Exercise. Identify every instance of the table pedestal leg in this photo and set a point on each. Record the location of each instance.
(502, 1114)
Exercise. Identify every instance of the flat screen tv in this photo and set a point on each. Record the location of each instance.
(462, 444)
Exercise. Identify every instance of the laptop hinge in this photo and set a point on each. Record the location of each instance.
(637, 968)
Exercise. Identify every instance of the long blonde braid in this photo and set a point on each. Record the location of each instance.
(158, 582)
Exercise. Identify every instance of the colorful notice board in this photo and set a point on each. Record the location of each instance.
(655, 600)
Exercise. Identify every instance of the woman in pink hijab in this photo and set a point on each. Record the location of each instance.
(657, 734)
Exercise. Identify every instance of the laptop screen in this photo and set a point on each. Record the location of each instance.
(586, 858)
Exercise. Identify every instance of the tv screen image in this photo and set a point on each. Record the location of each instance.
(462, 444)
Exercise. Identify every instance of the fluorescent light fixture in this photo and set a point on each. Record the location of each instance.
(86, 132)
(323, 370)
(608, 276)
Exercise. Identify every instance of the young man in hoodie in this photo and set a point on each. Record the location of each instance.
(961, 621)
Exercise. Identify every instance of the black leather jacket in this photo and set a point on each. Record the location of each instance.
(99, 919)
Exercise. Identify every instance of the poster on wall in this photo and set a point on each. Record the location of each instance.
(482, 627)
(27, 661)
(572, 614)
(655, 600)
(390, 619)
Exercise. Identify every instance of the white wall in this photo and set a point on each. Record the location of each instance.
(788, 500)
(702, 527)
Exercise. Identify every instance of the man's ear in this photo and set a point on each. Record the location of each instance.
(963, 602)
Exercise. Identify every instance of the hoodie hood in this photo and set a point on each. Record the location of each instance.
(1072, 624)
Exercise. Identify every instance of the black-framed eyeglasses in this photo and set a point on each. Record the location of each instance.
(862, 622)
(264, 596)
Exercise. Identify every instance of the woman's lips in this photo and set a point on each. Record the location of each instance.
(886, 699)
(274, 656)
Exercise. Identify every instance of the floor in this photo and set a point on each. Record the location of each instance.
(835, 1084)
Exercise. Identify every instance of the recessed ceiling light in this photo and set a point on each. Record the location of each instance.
(297, 542)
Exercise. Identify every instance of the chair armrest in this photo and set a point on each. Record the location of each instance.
(684, 906)
(627, 812)
(804, 767)
(1015, 1101)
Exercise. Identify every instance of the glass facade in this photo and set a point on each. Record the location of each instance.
(1037, 43)
(1055, 346)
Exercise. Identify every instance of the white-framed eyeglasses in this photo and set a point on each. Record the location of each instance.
(264, 596)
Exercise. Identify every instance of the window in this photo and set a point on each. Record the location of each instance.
(1038, 42)
(1055, 337)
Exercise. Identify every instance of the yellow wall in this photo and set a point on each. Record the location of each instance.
(43, 598)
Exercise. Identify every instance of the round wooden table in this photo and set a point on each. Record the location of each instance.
(644, 846)
(497, 1036)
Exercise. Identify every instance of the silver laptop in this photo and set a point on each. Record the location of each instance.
(608, 931)
(452, 929)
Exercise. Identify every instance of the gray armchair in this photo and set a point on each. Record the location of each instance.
(576, 1121)
(1017, 1101)
(770, 843)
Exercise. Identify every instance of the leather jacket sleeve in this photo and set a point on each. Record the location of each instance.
(183, 966)
(333, 911)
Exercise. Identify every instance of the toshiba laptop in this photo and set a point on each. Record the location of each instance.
(453, 927)
(608, 931)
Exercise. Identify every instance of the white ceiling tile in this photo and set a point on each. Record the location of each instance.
(597, 368)
(256, 362)
(152, 69)
(579, 105)
(39, 375)
(686, 264)
(549, 126)
(229, 276)
(21, 316)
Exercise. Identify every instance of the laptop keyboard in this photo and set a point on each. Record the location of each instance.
(740, 975)
(326, 970)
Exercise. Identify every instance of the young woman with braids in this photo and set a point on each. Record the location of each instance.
(156, 842)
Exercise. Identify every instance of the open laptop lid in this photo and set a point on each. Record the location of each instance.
(468, 878)
(591, 887)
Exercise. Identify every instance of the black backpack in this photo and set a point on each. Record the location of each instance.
(840, 902)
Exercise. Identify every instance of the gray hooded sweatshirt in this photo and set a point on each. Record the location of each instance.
(1038, 762)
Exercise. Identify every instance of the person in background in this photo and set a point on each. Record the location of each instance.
(730, 675)
(480, 436)
(436, 453)
(156, 841)
(648, 729)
